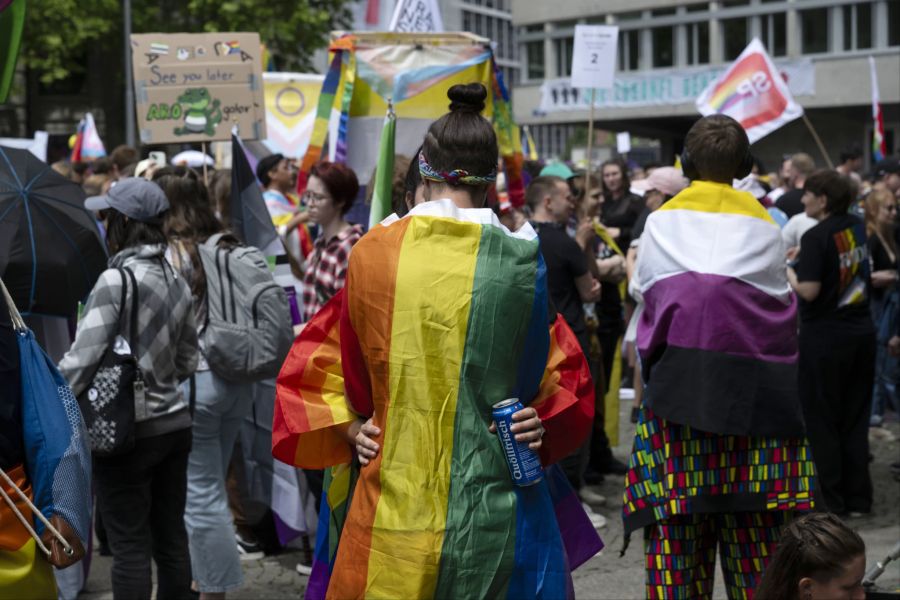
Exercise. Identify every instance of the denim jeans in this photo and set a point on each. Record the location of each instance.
(141, 496)
(219, 410)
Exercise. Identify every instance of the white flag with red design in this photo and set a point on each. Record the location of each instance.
(753, 93)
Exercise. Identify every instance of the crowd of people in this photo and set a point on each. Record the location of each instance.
(755, 317)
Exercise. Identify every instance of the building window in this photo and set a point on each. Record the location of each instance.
(893, 16)
(629, 50)
(698, 43)
(857, 26)
(663, 46)
(534, 57)
(773, 29)
(697, 7)
(564, 48)
(814, 31)
(734, 36)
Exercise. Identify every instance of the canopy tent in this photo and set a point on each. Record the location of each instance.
(412, 72)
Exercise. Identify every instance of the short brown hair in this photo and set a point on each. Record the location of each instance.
(837, 189)
(340, 181)
(539, 188)
(123, 155)
(803, 163)
(717, 146)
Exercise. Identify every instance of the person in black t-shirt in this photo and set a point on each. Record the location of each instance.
(837, 342)
(621, 207)
(801, 166)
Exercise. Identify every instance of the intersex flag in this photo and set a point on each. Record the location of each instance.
(291, 100)
(444, 314)
(753, 93)
(879, 149)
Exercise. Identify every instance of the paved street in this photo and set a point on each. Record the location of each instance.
(606, 576)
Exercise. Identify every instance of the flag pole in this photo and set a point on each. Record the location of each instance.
(590, 143)
(816, 137)
(205, 178)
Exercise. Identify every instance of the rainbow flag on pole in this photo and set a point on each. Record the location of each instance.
(88, 144)
(444, 314)
(879, 150)
(752, 92)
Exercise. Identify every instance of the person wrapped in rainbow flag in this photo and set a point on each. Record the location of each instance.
(720, 459)
(444, 314)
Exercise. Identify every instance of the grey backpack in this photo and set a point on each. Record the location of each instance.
(248, 332)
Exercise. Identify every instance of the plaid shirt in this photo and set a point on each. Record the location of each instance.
(326, 269)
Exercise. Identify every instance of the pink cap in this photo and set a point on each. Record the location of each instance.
(667, 180)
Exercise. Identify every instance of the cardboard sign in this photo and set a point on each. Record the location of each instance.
(594, 56)
(417, 15)
(194, 87)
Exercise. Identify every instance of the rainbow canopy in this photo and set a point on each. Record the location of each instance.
(443, 315)
(414, 72)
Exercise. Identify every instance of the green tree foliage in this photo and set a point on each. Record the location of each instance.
(58, 33)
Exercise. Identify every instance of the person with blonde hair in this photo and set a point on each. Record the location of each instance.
(881, 214)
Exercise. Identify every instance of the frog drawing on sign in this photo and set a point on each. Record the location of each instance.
(201, 113)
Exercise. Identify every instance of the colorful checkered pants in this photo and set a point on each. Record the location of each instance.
(681, 553)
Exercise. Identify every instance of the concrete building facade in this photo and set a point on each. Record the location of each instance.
(668, 50)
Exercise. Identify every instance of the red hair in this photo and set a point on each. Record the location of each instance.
(339, 180)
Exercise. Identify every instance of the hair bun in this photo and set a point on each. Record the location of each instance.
(467, 97)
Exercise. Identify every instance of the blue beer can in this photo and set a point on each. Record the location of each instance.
(524, 463)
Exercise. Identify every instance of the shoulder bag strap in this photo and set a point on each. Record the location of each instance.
(17, 321)
(133, 333)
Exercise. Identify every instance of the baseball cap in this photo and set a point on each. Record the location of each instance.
(134, 197)
(558, 170)
(667, 180)
(887, 165)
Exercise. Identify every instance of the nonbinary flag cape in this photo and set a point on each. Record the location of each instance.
(718, 336)
(878, 146)
(443, 315)
(753, 93)
(88, 144)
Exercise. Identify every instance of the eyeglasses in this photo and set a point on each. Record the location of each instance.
(314, 198)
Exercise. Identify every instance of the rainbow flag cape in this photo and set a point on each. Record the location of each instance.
(444, 314)
(718, 336)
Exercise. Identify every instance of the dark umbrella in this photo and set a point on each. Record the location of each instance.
(50, 248)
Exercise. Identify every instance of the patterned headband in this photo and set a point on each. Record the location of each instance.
(454, 177)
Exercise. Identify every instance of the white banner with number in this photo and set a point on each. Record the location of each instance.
(663, 88)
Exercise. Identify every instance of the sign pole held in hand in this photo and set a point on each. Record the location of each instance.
(593, 67)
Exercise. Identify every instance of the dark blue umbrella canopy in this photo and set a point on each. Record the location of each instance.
(51, 252)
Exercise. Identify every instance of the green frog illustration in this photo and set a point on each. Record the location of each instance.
(201, 115)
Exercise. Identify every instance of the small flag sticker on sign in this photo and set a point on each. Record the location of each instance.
(156, 48)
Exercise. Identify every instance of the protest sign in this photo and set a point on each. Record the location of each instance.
(417, 15)
(594, 56)
(194, 87)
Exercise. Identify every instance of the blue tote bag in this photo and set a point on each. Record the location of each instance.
(57, 455)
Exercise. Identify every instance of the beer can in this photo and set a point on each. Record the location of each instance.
(524, 463)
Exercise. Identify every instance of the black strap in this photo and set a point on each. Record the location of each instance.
(133, 333)
(124, 290)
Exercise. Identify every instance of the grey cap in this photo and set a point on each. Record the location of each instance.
(134, 197)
